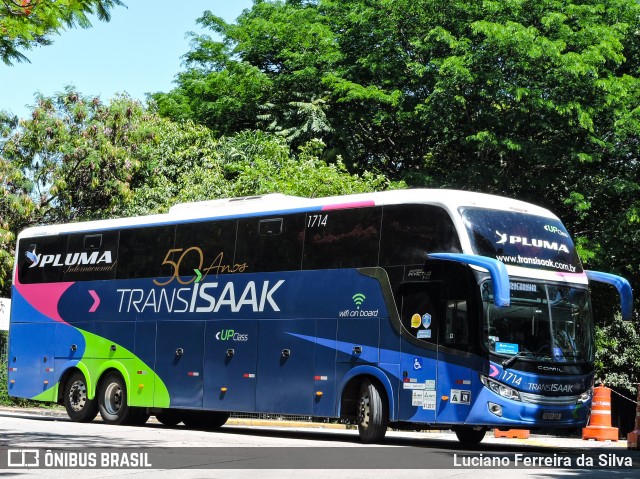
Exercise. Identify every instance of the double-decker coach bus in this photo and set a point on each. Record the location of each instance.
(412, 308)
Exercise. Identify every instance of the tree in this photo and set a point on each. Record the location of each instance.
(255, 163)
(276, 54)
(77, 156)
(25, 24)
(617, 355)
(17, 210)
(455, 93)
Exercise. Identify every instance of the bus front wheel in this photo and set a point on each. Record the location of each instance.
(470, 435)
(373, 414)
(76, 400)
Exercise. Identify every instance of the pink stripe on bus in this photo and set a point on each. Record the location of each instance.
(44, 297)
(344, 206)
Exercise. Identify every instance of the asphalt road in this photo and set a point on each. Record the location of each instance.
(277, 449)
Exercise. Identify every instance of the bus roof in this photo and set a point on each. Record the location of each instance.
(277, 203)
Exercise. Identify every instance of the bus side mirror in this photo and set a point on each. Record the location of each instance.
(623, 287)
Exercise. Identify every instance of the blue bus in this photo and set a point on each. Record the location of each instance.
(408, 309)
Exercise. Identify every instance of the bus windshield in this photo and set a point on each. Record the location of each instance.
(519, 239)
(549, 323)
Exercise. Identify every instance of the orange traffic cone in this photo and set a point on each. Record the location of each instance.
(599, 427)
(632, 437)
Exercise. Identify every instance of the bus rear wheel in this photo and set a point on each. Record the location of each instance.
(76, 400)
(373, 413)
(470, 435)
(112, 402)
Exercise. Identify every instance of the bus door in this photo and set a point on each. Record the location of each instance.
(458, 382)
(418, 304)
(325, 368)
(231, 352)
(180, 361)
(285, 372)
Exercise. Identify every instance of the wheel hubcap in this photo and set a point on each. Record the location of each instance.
(365, 411)
(113, 398)
(77, 396)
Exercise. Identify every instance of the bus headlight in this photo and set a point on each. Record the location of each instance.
(500, 389)
(585, 396)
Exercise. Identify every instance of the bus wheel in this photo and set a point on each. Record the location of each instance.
(112, 401)
(169, 418)
(373, 414)
(76, 400)
(210, 420)
(214, 420)
(139, 417)
(470, 435)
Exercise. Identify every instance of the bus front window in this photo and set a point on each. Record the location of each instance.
(544, 322)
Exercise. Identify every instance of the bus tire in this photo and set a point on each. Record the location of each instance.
(139, 417)
(470, 435)
(112, 400)
(169, 418)
(76, 400)
(373, 413)
(208, 420)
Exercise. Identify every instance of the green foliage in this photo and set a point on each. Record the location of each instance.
(25, 24)
(617, 355)
(275, 55)
(76, 157)
(484, 90)
(255, 163)
(17, 207)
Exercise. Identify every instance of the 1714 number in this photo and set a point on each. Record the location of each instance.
(315, 221)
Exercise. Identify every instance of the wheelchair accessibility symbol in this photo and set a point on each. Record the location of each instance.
(417, 364)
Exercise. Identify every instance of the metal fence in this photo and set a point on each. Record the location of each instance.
(287, 417)
(3, 346)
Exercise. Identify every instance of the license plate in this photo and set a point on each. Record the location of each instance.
(551, 416)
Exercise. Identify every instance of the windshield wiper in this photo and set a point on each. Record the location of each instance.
(575, 357)
(509, 361)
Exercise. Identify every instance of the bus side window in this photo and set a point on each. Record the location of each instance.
(456, 331)
(347, 238)
(410, 232)
(203, 244)
(92, 256)
(460, 326)
(41, 260)
(142, 252)
(420, 313)
(270, 244)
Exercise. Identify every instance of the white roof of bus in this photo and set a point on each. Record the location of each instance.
(228, 207)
